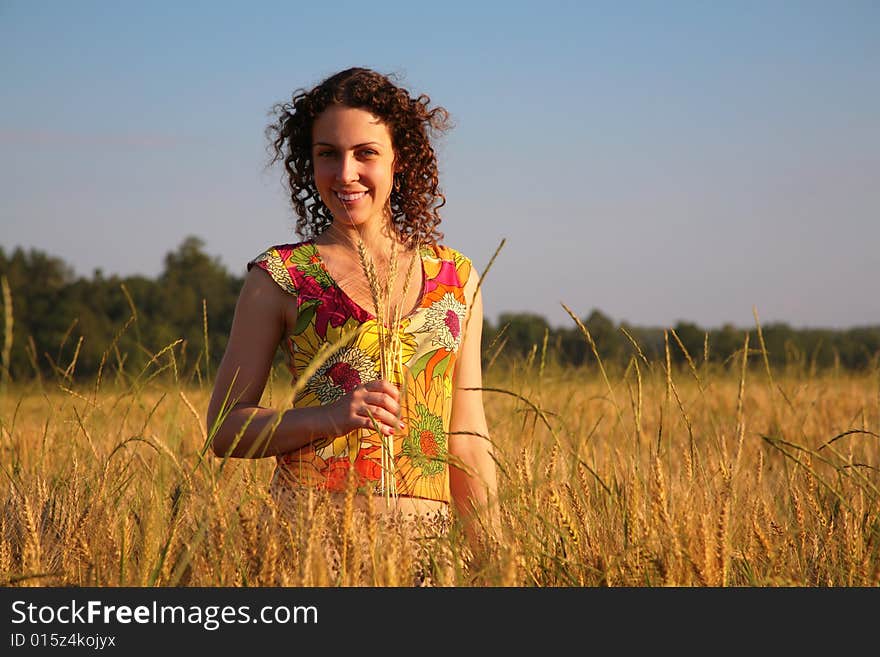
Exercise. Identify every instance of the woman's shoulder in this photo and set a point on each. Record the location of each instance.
(281, 252)
(444, 257)
(444, 252)
(280, 261)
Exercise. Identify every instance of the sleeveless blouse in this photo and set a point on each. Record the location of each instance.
(430, 336)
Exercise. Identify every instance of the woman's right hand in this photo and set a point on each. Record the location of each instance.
(370, 404)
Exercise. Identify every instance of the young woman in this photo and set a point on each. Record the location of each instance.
(386, 396)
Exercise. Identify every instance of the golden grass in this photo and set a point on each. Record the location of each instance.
(649, 476)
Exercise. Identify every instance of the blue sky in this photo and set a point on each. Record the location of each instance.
(658, 161)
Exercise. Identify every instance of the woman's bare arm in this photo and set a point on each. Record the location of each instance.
(472, 473)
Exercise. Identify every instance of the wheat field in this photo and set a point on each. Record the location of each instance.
(649, 475)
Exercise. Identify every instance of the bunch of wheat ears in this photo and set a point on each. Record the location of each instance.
(388, 321)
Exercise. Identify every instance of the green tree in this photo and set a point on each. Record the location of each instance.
(36, 281)
(194, 285)
(692, 337)
(524, 332)
(608, 338)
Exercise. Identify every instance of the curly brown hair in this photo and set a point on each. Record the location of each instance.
(415, 198)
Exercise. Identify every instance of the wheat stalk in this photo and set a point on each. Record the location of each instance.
(388, 319)
(379, 295)
(7, 335)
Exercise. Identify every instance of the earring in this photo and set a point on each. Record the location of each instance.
(396, 185)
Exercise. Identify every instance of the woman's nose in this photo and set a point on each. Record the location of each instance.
(347, 171)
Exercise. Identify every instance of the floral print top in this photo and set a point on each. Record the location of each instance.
(430, 336)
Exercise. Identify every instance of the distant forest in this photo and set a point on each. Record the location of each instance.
(75, 328)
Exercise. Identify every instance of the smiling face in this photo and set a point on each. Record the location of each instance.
(353, 164)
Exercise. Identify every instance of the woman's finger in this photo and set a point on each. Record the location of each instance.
(381, 385)
(382, 400)
(376, 415)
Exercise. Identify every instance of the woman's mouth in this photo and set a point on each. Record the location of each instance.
(350, 198)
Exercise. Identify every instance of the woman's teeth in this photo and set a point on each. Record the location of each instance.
(350, 197)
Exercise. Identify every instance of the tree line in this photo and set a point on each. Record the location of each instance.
(58, 325)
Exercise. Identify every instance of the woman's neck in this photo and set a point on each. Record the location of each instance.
(377, 237)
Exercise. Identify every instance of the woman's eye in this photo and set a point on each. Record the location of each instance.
(325, 154)
(368, 152)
